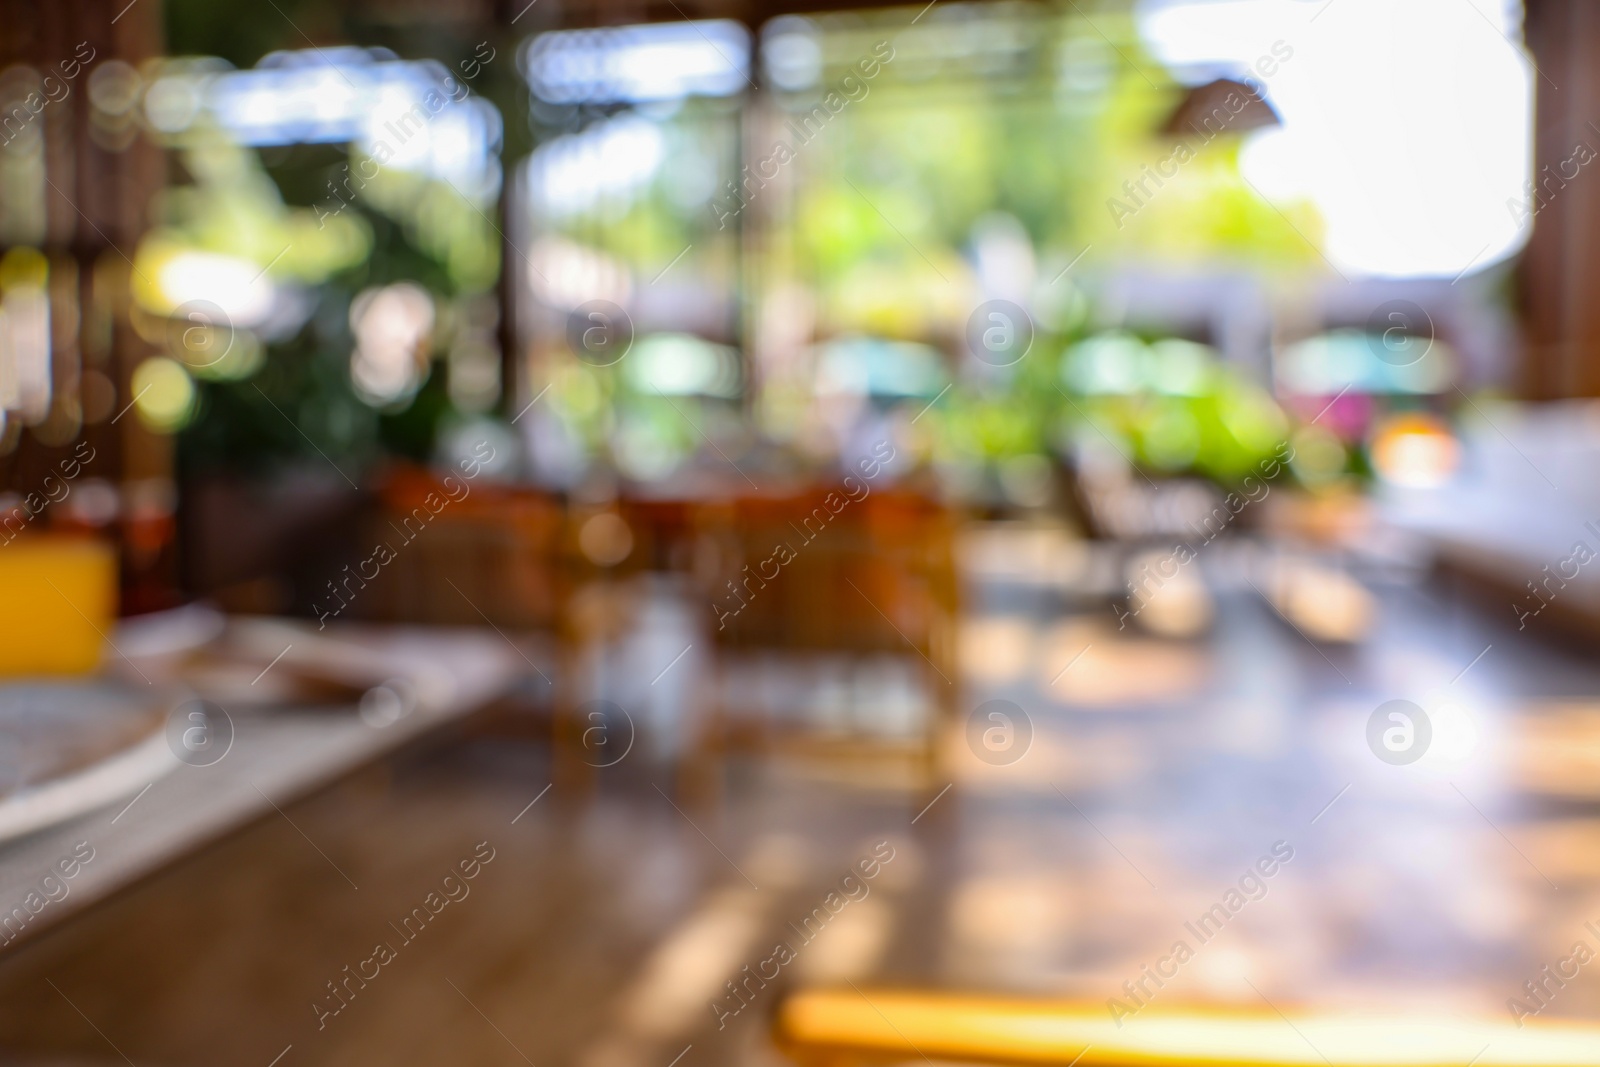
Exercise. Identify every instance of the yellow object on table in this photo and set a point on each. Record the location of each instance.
(851, 1026)
(58, 600)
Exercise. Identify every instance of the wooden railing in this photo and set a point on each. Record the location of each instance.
(835, 1028)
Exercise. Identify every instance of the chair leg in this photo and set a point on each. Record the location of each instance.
(700, 766)
(569, 768)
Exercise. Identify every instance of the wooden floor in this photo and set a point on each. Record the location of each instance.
(221, 959)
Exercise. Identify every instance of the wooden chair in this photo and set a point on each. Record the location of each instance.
(814, 574)
(495, 555)
(851, 1027)
(500, 556)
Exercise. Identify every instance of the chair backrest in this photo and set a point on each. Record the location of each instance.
(496, 552)
(819, 571)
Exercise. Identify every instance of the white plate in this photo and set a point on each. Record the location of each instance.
(81, 792)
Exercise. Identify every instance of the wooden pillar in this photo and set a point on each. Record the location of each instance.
(77, 177)
(1560, 273)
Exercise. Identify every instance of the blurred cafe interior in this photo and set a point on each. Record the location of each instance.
(740, 533)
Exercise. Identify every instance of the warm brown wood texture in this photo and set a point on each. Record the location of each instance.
(1561, 267)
